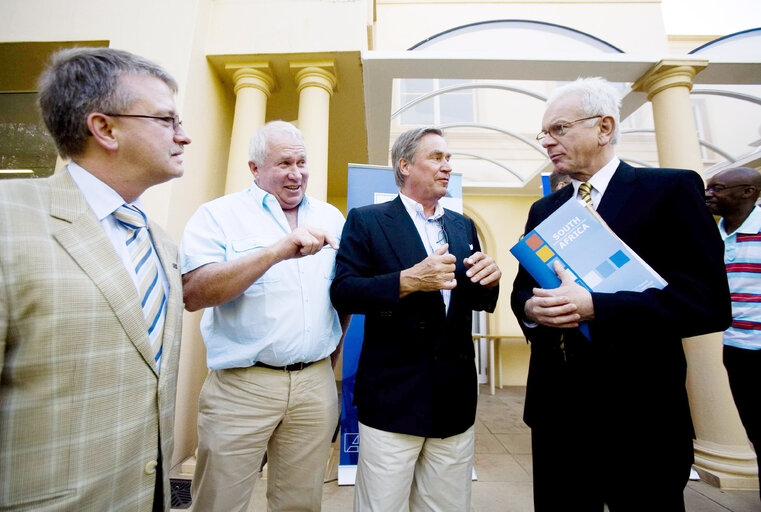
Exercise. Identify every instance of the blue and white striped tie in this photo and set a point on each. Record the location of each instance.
(151, 291)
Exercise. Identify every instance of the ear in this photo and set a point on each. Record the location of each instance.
(254, 169)
(750, 192)
(607, 128)
(102, 130)
(404, 166)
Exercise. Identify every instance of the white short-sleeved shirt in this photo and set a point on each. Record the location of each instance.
(286, 316)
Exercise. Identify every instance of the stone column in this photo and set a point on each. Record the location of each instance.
(315, 82)
(723, 456)
(253, 83)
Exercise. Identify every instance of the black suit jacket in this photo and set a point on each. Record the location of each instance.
(416, 372)
(629, 380)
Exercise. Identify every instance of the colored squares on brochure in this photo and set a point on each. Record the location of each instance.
(545, 253)
(534, 241)
(619, 259)
(605, 269)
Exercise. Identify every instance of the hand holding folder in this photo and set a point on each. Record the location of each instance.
(577, 238)
(554, 303)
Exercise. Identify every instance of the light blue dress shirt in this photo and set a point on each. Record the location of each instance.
(431, 232)
(286, 316)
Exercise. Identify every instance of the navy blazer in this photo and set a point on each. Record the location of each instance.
(416, 372)
(631, 375)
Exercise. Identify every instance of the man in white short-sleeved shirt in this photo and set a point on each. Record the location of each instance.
(261, 262)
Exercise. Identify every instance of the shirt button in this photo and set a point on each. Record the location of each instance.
(150, 467)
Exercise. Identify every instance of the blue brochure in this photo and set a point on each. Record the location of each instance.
(581, 240)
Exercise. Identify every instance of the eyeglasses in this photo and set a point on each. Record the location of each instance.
(560, 129)
(718, 188)
(173, 120)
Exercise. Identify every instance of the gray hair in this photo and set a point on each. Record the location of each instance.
(405, 146)
(80, 81)
(258, 147)
(598, 98)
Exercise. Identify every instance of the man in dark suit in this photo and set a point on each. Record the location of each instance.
(609, 416)
(416, 271)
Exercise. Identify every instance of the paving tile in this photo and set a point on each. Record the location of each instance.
(503, 466)
(506, 425)
(486, 442)
(492, 467)
(501, 497)
(515, 444)
(524, 459)
(703, 497)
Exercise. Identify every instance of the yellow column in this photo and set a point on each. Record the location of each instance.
(723, 456)
(253, 84)
(315, 81)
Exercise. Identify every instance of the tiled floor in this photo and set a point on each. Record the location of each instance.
(503, 467)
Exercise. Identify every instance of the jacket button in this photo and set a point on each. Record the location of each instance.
(150, 467)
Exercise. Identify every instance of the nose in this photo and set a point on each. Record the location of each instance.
(547, 140)
(181, 136)
(295, 172)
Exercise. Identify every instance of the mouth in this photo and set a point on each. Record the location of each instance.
(293, 188)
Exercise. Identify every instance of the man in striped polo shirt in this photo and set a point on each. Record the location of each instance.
(732, 194)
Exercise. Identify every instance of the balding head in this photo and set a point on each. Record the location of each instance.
(733, 191)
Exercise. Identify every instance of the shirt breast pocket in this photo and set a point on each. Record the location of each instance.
(328, 262)
(251, 245)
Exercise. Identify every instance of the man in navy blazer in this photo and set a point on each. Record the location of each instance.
(417, 272)
(609, 416)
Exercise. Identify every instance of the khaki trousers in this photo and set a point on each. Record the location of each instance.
(244, 412)
(399, 472)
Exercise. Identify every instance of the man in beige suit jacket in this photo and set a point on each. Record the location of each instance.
(86, 397)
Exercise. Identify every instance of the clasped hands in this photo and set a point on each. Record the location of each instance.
(564, 306)
(436, 272)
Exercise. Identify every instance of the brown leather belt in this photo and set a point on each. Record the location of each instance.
(295, 367)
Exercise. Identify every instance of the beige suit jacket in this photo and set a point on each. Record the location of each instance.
(82, 408)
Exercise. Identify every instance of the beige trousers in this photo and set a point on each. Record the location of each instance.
(244, 412)
(399, 472)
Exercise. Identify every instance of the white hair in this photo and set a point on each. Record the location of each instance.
(598, 98)
(257, 148)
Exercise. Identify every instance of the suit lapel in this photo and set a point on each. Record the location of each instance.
(169, 261)
(456, 231)
(400, 231)
(617, 194)
(84, 239)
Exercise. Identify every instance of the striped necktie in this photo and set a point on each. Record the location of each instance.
(585, 190)
(151, 291)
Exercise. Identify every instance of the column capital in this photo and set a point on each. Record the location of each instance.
(257, 75)
(314, 73)
(669, 73)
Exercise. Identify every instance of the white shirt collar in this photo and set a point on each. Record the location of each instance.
(103, 200)
(414, 208)
(600, 179)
